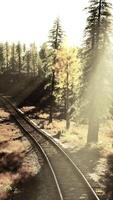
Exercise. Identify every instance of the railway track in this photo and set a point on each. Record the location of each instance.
(69, 181)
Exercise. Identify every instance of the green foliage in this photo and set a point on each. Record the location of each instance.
(56, 35)
(19, 56)
(95, 79)
(66, 73)
(67, 63)
(34, 58)
(7, 53)
(45, 58)
(2, 58)
(13, 58)
(96, 75)
(55, 41)
(28, 61)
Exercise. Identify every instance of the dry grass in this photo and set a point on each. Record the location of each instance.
(3, 114)
(17, 163)
(95, 160)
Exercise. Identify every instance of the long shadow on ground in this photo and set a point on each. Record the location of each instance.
(107, 179)
(36, 188)
(87, 157)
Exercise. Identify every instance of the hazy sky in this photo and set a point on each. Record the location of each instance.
(30, 20)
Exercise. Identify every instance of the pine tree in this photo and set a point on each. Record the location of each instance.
(34, 58)
(56, 35)
(2, 58)
(19, 57)
(7, 55)
(23, 55)
(13, 58)
(94, 65)
(55, 41)
(28, 61)
(46, 63)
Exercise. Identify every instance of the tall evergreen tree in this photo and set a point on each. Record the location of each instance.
(28, 61)
(23, 54)
(94, 65)
(45, 70)
(34, 58)
(2, 58)
(55, 41)
(19, 57)
(45, 59)
(7, 54)
(13, 58)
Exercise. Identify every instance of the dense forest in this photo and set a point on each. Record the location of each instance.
(79, 79)
(56, 100)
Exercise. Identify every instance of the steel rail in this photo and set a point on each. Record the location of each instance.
(43, 154)
(47, 136)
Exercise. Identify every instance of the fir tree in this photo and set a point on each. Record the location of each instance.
(7, 54)
(94, 64)
(55, 41)
(2, 58)
(19, 57)
(28, 61)
(13, 58)
(34, 58)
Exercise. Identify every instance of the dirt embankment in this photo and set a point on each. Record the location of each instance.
(18, 162)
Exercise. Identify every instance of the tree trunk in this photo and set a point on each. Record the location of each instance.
(28, 69)
(67, 122)
(19, 63)
(7, 60)
(51, 97)
(34, 71)
(93, 129)
(67, 100)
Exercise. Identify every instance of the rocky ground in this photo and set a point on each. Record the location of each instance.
(18, 161)
(95, 161)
